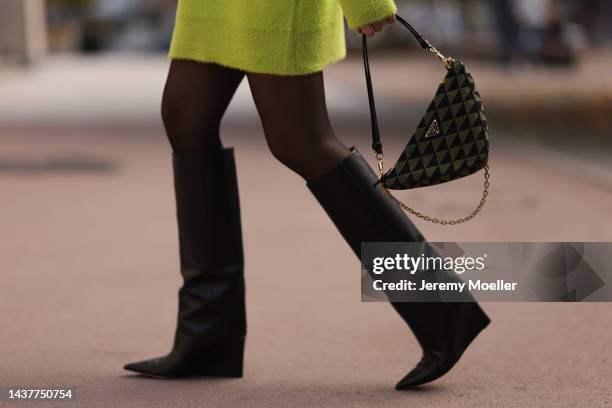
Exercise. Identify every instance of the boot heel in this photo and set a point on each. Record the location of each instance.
(471, 320)
(225, 359)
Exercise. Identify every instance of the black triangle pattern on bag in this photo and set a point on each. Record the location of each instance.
(451, 140)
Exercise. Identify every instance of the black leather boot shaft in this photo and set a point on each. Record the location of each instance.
(210, 244)
(211, 328)
(362, 212)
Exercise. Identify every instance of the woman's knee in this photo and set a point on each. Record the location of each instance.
(307, 156)
(188, 125)
(170, 111)
(195, 98)
(282, 151)
(179, 114)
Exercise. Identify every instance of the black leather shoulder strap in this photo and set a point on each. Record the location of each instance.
(376, 143)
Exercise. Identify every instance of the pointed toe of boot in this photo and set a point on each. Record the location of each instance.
(137, 367)
(434, 365)
(425, 372)
(152, 367)
(196, 359)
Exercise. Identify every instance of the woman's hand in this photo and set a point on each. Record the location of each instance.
(369, 30)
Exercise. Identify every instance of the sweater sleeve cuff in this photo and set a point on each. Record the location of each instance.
(361, 12)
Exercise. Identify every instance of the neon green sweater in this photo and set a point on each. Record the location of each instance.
(284, 37)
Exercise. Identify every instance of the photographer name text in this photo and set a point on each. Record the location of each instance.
(424, 286)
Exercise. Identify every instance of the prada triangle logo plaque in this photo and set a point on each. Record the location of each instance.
(434, 129)
(452, 137)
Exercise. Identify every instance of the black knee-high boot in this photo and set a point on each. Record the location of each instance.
(211, 329)
(363, 213)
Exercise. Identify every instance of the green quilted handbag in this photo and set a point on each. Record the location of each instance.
(451, 141)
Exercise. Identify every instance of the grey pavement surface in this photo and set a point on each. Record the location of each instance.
(90, 269)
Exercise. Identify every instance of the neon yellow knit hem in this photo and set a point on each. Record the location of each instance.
(257, 51)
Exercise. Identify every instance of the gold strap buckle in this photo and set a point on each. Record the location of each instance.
(381, 165)
(446, 61)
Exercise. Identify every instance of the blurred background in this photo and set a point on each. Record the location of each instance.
(88, 248)
(541, 63)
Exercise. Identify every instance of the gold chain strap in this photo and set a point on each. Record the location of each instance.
(483, 200)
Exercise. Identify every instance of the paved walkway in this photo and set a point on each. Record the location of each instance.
(89, 267)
